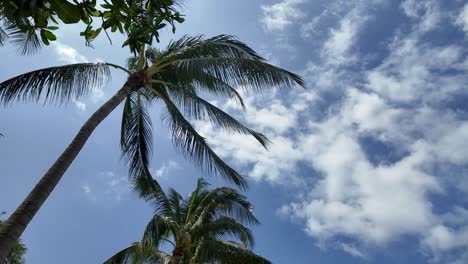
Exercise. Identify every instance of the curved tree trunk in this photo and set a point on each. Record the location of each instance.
(17, 222)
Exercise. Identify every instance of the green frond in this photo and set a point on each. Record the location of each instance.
(223, 46)
(205, 83)
(159, 257)
(222, 227)
(245, 73)
(60, 84)
(136, 143)
(136, 136)
(198, 108)
(175, 200)
(124, 256)
(194, 146)
(27, 43)
(151, 191)
(157, 229)
(228, 252)
(193, 198)
(224, 201)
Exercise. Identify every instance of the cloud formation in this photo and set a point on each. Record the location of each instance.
(368, 163)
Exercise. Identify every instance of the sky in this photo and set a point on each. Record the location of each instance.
(368, 163)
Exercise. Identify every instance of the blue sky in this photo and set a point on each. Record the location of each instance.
(368, 164)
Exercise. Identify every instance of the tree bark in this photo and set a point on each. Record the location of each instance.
(18, 221)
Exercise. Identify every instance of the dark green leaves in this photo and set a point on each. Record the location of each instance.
(60, 84)
(197, 227)
(136, 136)
(66, 11)
(140, 20)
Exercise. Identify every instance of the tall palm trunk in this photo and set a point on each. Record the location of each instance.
(17, 222)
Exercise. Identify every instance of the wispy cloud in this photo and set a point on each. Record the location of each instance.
(107, 186)
(166, 168)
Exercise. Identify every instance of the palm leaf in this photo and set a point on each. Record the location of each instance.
(224, 226)
(245, 73)
(198, 108)
(226, 202)
(127, 255)
(194, 146)
(157, 229)
(228, 252)
(28, 43)
(62, 84)
(3, 35)
(136, 136)
(136, 144)
(218, 46)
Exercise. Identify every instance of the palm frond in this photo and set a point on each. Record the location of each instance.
(223, 46)
(136, 136)
(127, 255)
(175, 200)
(224, 201)
(194, 197)
(136, 143)
(61, 84)
(224, 226)
(245, 73)
(194, 146)
(158, 228)
(3, 35)
(198, 108)
(27, 42)
(228, 252)
(159, 257)
(206, 83)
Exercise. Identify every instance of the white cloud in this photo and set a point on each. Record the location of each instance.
(281, 15)
(68, 54)
(462, 19)
(80, 105)
(401, 104)
(352, 250)
(337, 47)
(428, 12)
(106, 186)
(408, 73)
(166, 168)
(87, 190)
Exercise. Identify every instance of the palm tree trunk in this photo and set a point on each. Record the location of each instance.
(17, 222)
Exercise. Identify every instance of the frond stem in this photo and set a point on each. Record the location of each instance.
(118, 67)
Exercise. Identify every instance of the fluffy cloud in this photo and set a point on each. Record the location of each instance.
(281, 15)
(378, 153)
(68, 54)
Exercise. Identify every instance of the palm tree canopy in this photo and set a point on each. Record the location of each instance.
(177, 76)
(207, 226)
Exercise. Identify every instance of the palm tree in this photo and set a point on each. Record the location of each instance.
(174, 76)
(16, 255)
(196, 227)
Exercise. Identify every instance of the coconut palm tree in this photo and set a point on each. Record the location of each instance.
(16, 255)
(175, 77)
(196, 227)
